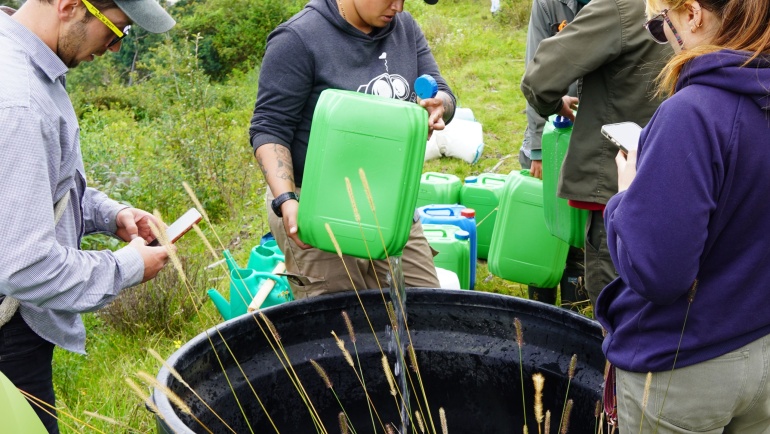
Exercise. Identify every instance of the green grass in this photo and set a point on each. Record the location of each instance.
(159, 137)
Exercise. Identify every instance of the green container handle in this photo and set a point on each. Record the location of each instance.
(443, 231)
(436, 175)
(493, 180)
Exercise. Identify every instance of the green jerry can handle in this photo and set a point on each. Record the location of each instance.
(437, 230)
(436, 175)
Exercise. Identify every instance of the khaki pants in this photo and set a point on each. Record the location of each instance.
(324, 273)
(730, 394)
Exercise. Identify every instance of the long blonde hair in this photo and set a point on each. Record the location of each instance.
(745, 26)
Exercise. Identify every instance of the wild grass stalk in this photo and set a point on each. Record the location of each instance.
(340, 255)
(287, 366)
(329, 385)
(645, 398)
(172, 397)
(163, 239)
(109, 420)
(389, 306)
(352, 335)
(570, 376)
(539, 380)
(343, 419)
(179, 378)
(370, 199)
(420, 423)
(349, 360)
(565, 418)
(690, 299)
(520, 343)
(597, 415)
(442, 417)
(49, 409)
(547, 424)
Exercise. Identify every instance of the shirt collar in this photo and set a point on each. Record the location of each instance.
(39, 53)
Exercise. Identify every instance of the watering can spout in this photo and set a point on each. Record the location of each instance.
(229, 260)
(220, 302)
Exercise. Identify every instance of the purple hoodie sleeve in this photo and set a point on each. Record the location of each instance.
(657, 229)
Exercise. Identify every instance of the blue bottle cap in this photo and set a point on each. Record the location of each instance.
(471, 179)
(462, 235)
(425, 86)
(562, 122)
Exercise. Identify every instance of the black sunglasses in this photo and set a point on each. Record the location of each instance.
(655, 26)
(116, 39)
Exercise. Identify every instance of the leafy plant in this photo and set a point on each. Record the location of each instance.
(164, 304)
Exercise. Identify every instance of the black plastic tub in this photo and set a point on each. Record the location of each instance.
(465, 343)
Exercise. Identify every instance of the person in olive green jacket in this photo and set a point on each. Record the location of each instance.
(607, 48)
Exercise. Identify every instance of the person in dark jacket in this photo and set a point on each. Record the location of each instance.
(607, 48)
(369, 46)
(688, 231)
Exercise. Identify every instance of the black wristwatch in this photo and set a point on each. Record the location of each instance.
(278, 201)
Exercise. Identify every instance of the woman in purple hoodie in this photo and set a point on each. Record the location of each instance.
(689, 231)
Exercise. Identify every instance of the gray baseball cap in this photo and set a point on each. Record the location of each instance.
(147, 14)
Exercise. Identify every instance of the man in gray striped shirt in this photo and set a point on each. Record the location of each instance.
(42, 268)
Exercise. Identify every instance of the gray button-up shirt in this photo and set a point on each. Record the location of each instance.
(41, 264)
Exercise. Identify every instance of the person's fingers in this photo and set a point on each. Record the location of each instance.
(620, 158)
(631, 158)
(138, 242)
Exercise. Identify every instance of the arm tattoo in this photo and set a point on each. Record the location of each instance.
(285, 164)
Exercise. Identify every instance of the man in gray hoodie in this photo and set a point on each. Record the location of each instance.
(366, 46)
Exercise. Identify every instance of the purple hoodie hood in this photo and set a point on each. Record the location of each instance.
(727, 69)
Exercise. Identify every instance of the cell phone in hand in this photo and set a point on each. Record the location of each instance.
(180, 226)
(625, 135)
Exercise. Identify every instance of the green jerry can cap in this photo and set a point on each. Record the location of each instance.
(471, 179)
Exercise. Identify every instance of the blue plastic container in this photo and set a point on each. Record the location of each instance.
(457, 215)
(454, 250)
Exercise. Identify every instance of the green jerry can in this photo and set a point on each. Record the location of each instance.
(368, 140)
(482, 193)
(438, 188)
(454, 250)
(563, 221)
(523, 250)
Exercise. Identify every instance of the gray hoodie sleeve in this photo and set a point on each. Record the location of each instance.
(284, 89)
(427, 64)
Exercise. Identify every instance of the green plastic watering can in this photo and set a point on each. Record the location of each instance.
(246, 282)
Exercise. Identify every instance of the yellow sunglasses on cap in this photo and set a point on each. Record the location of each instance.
(119, 34)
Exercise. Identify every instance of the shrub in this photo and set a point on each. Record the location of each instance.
(162, 305)
(514, 13)
(234, 32)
